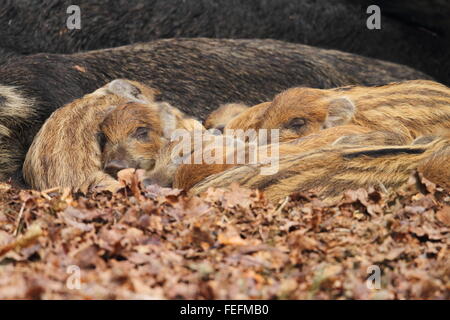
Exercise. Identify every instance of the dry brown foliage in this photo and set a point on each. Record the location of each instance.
(158, 243)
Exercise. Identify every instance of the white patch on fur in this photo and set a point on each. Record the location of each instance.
(340, 112)
(4, 131)
(168, 119)
(125, 89)
(342, 140)
(192, 124)
(15, 106)
(108, 110)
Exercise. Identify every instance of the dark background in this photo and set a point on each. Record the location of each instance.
(415, 33)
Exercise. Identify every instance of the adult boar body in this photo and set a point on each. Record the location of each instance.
(40, 26)
(6, 54)
(195, 76)
(431, 15)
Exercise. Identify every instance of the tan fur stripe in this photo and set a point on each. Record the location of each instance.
(15, 105)
(4, 131)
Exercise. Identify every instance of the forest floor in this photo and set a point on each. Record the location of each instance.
(158, 243)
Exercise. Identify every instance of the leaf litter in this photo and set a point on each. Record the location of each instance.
(158, 243)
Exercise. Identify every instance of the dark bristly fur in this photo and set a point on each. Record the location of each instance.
(6, 54)
(383, 152)
(409, 35)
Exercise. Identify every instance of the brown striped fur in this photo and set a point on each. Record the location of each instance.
(125, 148)
(437, 167)
(220, 117)
(410, 108)
(250, 118)
(67, 151)
(185, 176)
(332, 170)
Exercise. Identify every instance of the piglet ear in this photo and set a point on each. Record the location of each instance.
(169, 117)
(126, 89)
(340, 111)
(106, 112)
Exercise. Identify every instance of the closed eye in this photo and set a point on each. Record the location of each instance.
(296, 124)
(101, 139)
(141, 133)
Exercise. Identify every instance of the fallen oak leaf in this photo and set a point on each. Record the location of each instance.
(430, 186)
(443, 215)
(201, 237)
(126, 175)
(83, 214)
(226, 240)
(132, 177)
(4, 187)
(368, 198)
(33, 233)
(394, 254)
(68, 218)
(298, 240)
(250, 249)
(322, 274)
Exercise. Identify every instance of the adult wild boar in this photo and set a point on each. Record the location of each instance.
(5, 54)
(40, 26)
